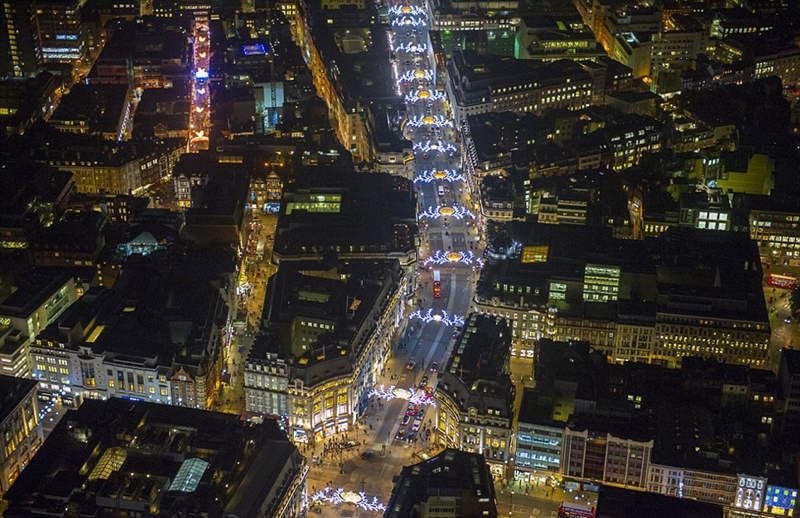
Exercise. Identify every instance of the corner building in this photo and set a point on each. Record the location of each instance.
(688, 292)
(327, 334)
(474, 394)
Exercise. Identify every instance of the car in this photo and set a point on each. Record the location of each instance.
(410, 366)
(406, 419)
(788, 320)
(420, 413)
(411, 412)
(434, 366)
(350, 444)
(416, 425)
(424, 381)
(400, 434)
(367, 454)
(411, 435)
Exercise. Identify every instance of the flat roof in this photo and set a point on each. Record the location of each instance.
(12, 392)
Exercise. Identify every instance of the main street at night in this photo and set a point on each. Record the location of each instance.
(449, 227)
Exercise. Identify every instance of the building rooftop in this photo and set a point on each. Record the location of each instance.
(143, 454)
(451, 474)
(476, 76)
(615, 502)
(31, 291)
(477, 373)
(12, 392)
(721, 268)
(318, 315)
(346, 213)
(99, 107)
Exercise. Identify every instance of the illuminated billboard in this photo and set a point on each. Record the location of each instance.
(780, 501)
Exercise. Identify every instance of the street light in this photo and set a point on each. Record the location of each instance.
(511, 502)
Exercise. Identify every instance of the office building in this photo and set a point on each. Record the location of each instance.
(36, 300)
(327, 332)
(707, 209)
(59, 35)
(152, 459)
(155, 336)
(453, 484)
(102, 110)
(550, 283)
(20, 428)
(789, 382)
(74, 241)
(550, 38)
(539, 438)
(775, 226)
(17, 51)
(614, 457)
(615, 502)
(215, 199)
(651, 428)
(475, 395)
(145, 54)
(349, 216)
(482, 84)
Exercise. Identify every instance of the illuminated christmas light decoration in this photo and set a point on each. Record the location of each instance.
(413, 396)
(456, 211)
(398, 10)
(444, 317)
(430, 120)
(408, 20)
(430, 96)
(409, 75)
(339, 496)
(446, 175)
(440, 257)
(412, 48)
(429, 146)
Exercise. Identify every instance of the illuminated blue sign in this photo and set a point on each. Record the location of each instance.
(257, 49)
(780, 500)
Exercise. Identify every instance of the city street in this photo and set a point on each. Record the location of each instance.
(447, 227)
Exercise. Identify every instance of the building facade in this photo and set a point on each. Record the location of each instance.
(335, 356)
(602, 457)
(20, 429)
(475, 395)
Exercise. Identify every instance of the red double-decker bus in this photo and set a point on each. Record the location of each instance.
(782, 281)
(570, 510)
(437, 285)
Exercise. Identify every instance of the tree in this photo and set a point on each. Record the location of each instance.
(794, 303)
